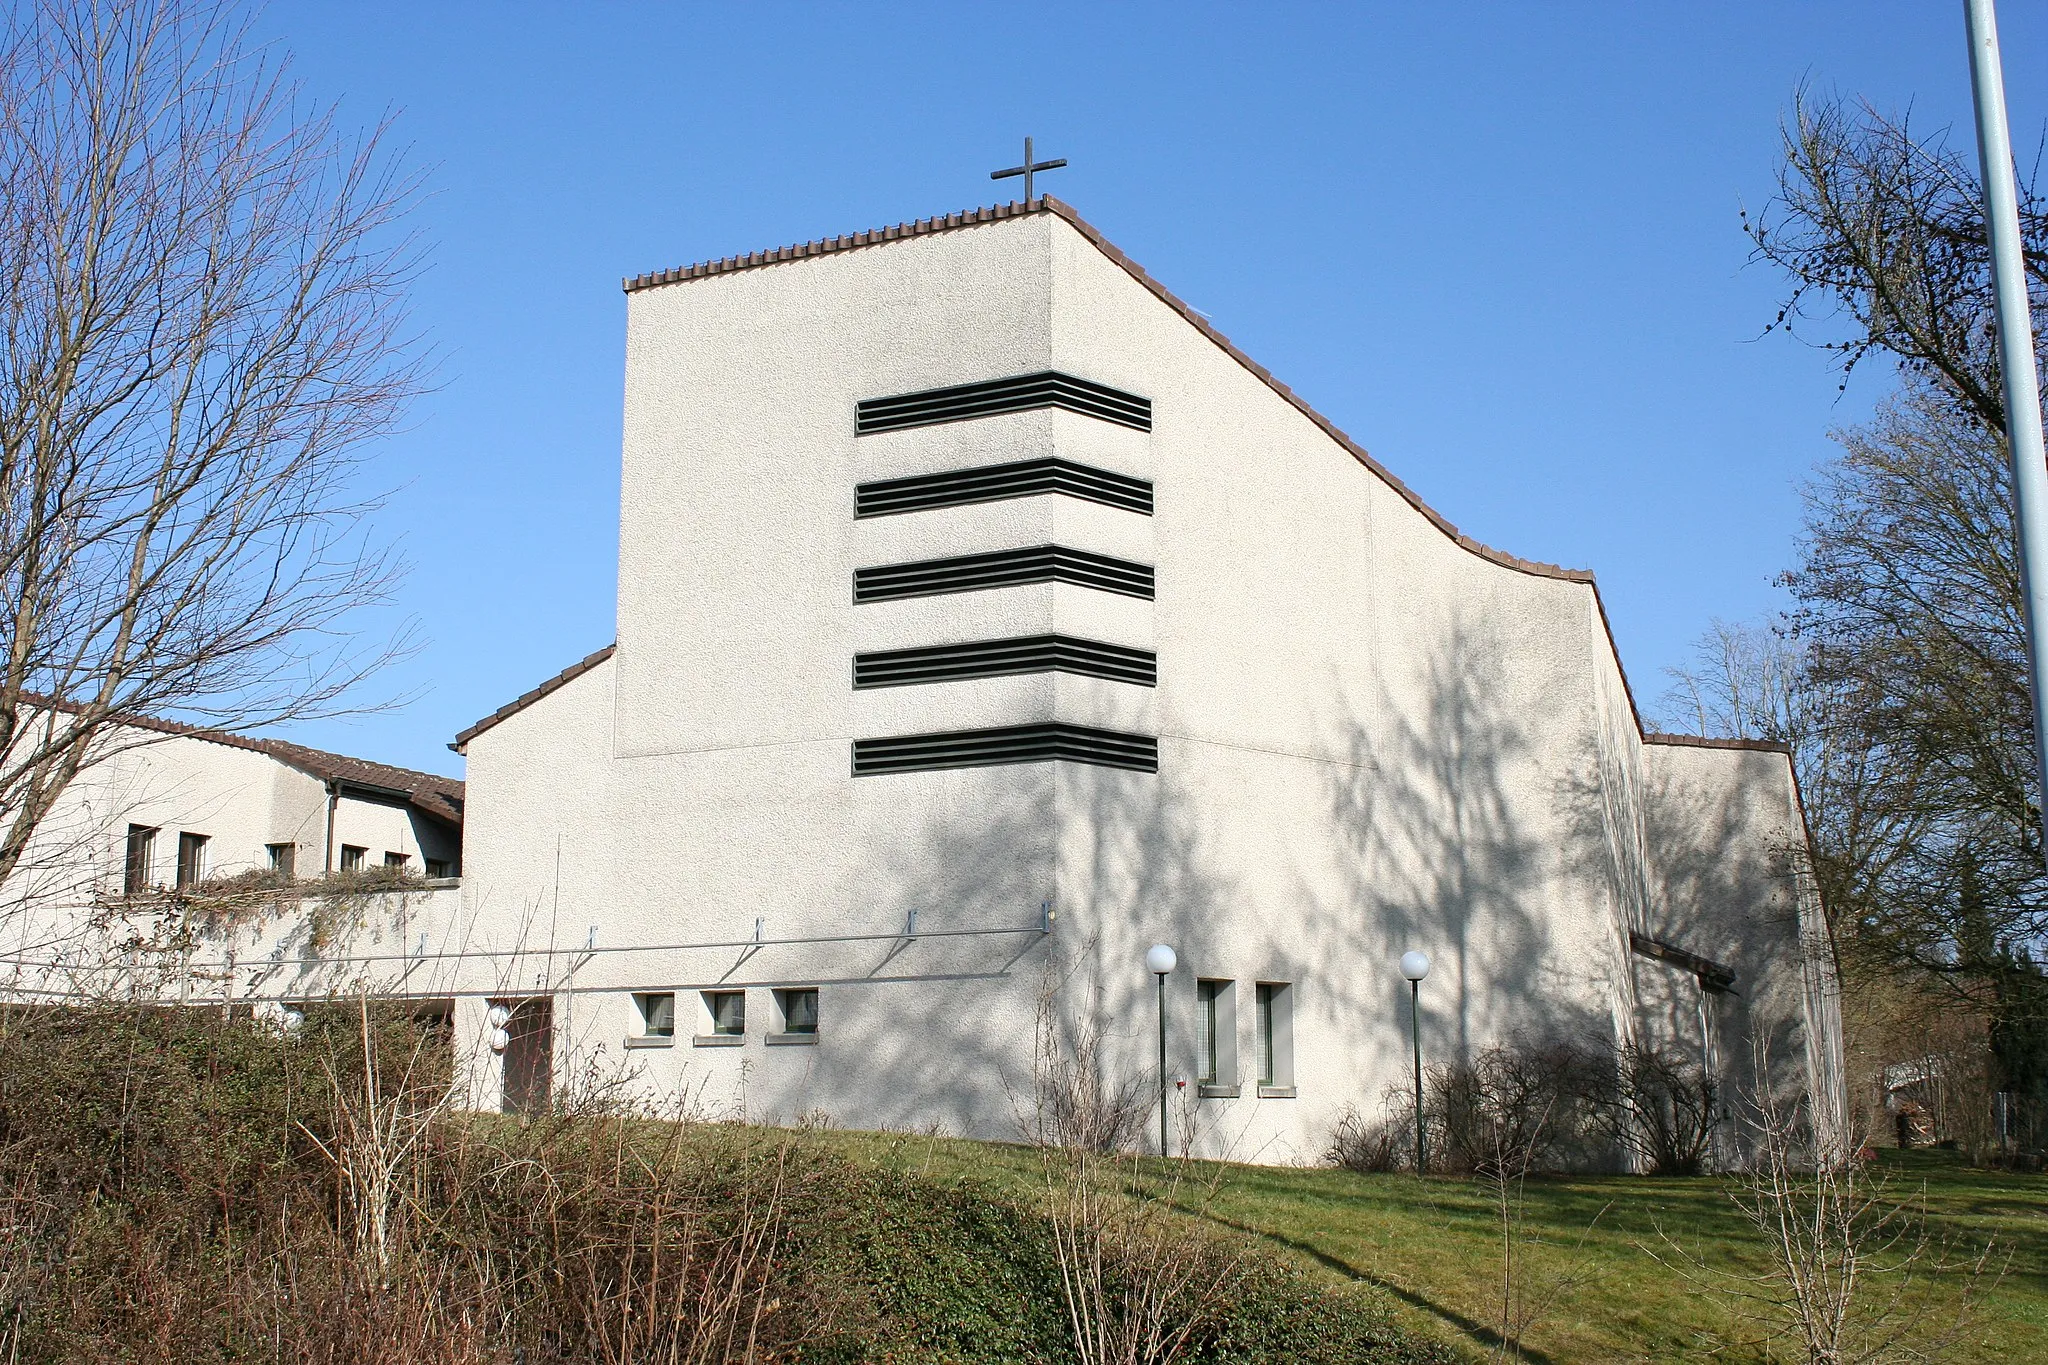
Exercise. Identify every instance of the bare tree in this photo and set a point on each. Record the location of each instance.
(1881, 228)
(201, 325)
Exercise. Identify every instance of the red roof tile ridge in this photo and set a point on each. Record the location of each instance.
(532, 695)
(321, 763)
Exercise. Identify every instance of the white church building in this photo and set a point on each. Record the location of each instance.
(984, 618)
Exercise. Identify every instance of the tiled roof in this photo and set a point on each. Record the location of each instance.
(526, 699)
(437, 797)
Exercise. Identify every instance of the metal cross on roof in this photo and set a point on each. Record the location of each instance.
(1027, 168)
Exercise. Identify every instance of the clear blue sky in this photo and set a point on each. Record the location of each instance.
(1497, 244)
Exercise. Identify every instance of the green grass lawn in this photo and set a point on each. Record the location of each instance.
(1585, 1245)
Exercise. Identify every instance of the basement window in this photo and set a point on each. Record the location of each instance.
(141, 855)
(1276, 1040)
(657, 1014)
(284, 858)
(191, 859)
(726, 1012)
(799, 1010)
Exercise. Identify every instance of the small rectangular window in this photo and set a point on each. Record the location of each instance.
(1216, 1033)
(657, 1014)
(799, 1010)
(397, 861)
(437, 867)
(191, 859)
(727, 1011)
(284, 858)
(137, 868)
(352, 857)
(1276, 1037)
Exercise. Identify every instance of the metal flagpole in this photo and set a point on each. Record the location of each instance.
(2016, 358)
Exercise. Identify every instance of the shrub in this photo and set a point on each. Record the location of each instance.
(1512, 1109)
(177, 1186)
(1369, 1146)
(1657, 1107)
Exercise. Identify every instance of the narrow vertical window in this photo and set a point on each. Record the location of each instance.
(284, 858)
(136, 869)
(191, 859)
(1205, 1025)
(1276, 1039)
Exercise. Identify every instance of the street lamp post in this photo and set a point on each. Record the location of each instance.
(1415, 966)
(1161, 960)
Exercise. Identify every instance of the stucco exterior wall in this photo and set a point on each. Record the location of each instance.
(1372, 738)
(1729, 871)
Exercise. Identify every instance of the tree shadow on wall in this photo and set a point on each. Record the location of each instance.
(1450, 820)
(992, 856)
(1726, 884)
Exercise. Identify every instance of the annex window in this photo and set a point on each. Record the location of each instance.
(799, 1009)
(352, 857)
(139, 860)
(726, 1013)
(437, 867)
(1276, 1039)
(284, 858)
(191, 859)
(657, 1014)
(1216, 1036)
(397, 861)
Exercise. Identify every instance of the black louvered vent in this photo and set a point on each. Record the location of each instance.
(1002, 569)
(1021, 393)
(1000, 658)
(992, 483)
(1040, 743)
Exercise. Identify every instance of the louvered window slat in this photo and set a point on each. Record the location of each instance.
(1018, 393)
(1002, 658)
(1003, 569)
(994, 483)
(1044, 742)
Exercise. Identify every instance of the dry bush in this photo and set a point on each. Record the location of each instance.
(1077, 1100)
(1847, 1256)
(1142, 1282)
(1658, 1108)
(1370, 1146)
(1512, 1102)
